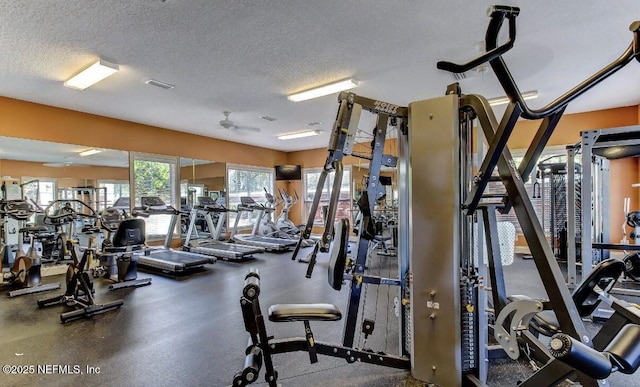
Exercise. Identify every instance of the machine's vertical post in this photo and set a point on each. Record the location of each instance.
(588, 138)
(483, 304)
(605, 219)
(373, 188)
(434, 240)
(571, 217)
(403, 238)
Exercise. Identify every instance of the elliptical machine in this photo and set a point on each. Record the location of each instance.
(283, 223)
(80, 291)
(25, 273)
(266, 226)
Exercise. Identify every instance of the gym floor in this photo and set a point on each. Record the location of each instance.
(188, 331)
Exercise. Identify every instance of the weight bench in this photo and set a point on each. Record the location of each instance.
(261, 346)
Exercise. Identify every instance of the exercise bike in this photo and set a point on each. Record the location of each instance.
(25, 273)
(80, 291)
(118, 262)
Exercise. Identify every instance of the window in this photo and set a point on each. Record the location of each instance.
(41, 190)
(247, 181)
(116, 189)
(155, 176)
(310, 181)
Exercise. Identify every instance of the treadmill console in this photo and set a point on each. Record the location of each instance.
(247, 203)
(155, 205)
(209, 204)
(151, 201)
(206, 201)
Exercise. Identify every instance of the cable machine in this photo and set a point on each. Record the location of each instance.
(440, 199)
(453, 117)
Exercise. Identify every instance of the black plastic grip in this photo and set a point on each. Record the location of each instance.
(497, 14)
(251, 288)
(252, 365)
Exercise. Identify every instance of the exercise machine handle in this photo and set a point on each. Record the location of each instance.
(497, 13)
(494, 57)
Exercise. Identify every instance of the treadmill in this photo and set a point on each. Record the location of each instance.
(206, 207)
(165, 258)
(247, 204)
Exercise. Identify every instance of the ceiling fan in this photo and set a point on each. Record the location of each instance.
(228, 124)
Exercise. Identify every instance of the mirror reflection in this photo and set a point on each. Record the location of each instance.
(45, 173)
(48, 171)
(201, 178)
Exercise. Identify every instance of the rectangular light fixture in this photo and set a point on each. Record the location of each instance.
(92, 75)
(503, 100)
(321, 91)
(89, 152)
(306, 133)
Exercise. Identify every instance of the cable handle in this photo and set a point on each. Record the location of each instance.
(494, 57)
(497, 13)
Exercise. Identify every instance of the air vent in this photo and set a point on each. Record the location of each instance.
(160, 84)
(268, 118)
(459, 76)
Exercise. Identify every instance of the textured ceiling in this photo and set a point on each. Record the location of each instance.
(246, 56)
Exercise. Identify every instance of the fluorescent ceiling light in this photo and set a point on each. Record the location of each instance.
(92, 75)
(503, 100)
(89, 152)
(324, 90)
(306, 133)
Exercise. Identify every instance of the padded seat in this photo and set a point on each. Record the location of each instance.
(90, 229)
(33, 229)
(304, 312)
(122, 249)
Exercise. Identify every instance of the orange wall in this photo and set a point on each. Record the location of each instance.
(34, 121)
(623, 173)
(40, 122)
(570, 126)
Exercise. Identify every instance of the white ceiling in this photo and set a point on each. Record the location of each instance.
(246, 56)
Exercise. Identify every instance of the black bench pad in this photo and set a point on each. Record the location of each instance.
(304, 312)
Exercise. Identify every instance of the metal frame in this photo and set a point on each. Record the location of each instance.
(595, 186)
(341, 144)
(513, 176)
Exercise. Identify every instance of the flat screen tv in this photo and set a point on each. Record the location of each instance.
(386, 180)
(288, 172)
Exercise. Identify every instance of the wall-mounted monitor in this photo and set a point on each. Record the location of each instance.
(288, 172)
(386, 180)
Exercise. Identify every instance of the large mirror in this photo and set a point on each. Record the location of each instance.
(48, 171)
(201, 178)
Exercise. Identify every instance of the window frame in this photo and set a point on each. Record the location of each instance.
(174, 192)
(308, 201)
(230, 193)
